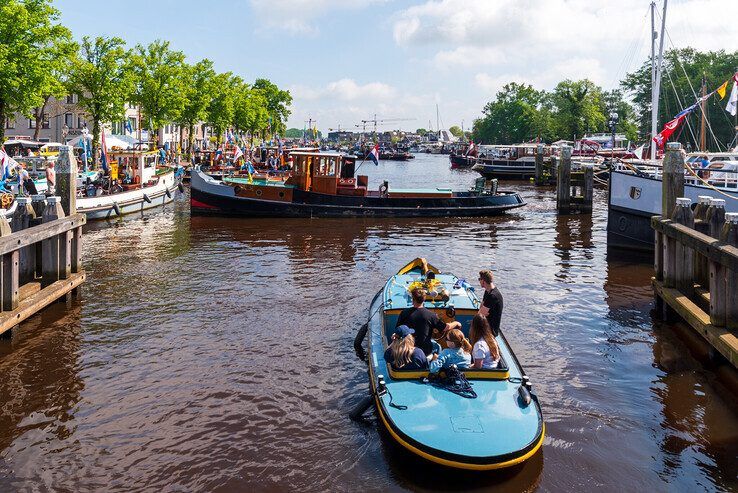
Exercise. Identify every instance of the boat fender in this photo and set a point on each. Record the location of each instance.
(180, 187)
(147, 199)
(116, 208)
(451, 312)
(359, 339)
(169, 194)
(361, 407)
(524, 396)
(383, 188)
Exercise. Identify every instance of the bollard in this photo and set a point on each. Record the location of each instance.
(701, 266)
(66, 179)
(563, 185)
(729, 235)
(51, 248)
(672, 183)
(588, 191)
(683, 255)
(23, 219)
(39, 204)
(715, 217)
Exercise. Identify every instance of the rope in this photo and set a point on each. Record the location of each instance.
(392, 404)
(455, 381)
(707, 184)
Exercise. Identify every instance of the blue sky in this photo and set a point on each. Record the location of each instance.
(346, 60)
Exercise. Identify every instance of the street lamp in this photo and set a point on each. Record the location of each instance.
(613, 126)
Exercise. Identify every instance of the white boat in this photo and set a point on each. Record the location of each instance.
(143, 185)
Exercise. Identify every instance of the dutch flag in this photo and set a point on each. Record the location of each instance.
(374, 154)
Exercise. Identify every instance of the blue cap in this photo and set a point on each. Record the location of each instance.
(403, 330)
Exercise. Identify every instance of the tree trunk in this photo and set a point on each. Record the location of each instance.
(190, 140)
(95, 140)
(38, 115)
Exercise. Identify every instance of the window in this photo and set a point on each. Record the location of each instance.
(69, 119)
(9, 123)
(45, 123)
(71, 99)
(31, 123)
(132, 123)
(81, 122)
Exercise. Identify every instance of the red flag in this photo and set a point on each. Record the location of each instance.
(668, 129)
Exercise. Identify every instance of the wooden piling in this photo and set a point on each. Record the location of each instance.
(22, 220)
(66, 179)
(587, 188)
(540, 171)
(50, 247)
(683, 255)
(729, 236)
(672, 183)
(563, 183)
(701, 267)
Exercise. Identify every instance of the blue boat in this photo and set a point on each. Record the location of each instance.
(501, 427)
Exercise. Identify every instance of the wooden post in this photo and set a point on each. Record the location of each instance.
(718, 281)
(8, 271)
(729, 235)
(701, 267)
(715, 217)
(588, 190)
(50, 248)
(27, 261)
(540, 172)
(563, 185)
(672, 183)
(66, 179)
(684, 256)
(39, 204)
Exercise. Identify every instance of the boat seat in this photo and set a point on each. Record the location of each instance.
(500, 373)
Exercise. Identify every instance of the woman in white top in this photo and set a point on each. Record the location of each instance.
(486, 353)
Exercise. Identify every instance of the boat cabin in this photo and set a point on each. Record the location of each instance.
(133, 168)
(326, 172)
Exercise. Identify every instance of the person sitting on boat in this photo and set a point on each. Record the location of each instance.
(423, 322)
(457, 353)
(491, 307)
(402, 353)
(485, 351)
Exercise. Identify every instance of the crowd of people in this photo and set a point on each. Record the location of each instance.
(414, 347)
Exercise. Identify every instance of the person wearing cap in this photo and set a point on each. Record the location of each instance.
(424, 322)
(402, 354)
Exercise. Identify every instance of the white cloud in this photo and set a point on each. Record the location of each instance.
(345, 90)
(298, 16)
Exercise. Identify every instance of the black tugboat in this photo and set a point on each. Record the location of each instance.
(323, 185)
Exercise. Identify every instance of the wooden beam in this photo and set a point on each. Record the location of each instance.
(37, 233)
(708, 246)
(32, 304)
(725, 342)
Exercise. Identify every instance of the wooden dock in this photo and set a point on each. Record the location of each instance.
(696, 261)
(41, 251)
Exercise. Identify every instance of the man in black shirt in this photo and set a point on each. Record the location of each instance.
(423, 321)
(491, 307)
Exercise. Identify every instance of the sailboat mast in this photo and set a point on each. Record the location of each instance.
(704, 109)
(438, 124)
(656, 87)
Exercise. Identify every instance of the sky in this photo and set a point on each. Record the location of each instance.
(345, 61)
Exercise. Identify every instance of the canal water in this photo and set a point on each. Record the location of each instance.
(214, 354)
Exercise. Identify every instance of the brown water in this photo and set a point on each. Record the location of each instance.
(212, 354)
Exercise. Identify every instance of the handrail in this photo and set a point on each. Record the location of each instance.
(20, 239)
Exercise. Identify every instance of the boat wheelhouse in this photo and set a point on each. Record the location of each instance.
(324, 185)
(502, 427)
(512, 162)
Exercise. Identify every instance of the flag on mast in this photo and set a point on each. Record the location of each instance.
(374, 154)
(732, 106)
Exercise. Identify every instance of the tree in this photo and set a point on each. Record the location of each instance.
(683, 73)
(99, 75)
(30, 38)
(578, 108)
(421, 131)
(293, 133)
(456, 131)
(512, 117)
(614, 102)
(53, 80)
(221, 109)
(161, 84)
(197, 96)
(278, 103)
(250, 110)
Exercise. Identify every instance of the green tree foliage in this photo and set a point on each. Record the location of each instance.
(30, 41)
(278, 103)
(456, 131)
(421, 131)
(222, 106)
(578, 108)
(161, 83)
(100, 76)
(293, 133)
(251, 114)
(197, 96)
(680, 88)
(512, 117)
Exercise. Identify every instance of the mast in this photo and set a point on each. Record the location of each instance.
(656, 75)
(438, 125)
(704, 109)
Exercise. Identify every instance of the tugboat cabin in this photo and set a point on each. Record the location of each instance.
(135, 168)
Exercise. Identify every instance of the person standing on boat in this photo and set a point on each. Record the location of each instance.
(423, 322)
(491, 308)
(50, 178)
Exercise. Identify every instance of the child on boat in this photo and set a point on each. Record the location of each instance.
(457, 353)
(485, 351)
(402, 353)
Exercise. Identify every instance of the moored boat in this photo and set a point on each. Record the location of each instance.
(324, 185)
(501, 427)
(515, 162)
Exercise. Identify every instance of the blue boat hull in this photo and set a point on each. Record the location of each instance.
(493, 431)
